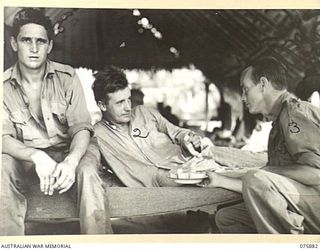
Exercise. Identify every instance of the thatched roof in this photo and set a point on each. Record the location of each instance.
(219, 42)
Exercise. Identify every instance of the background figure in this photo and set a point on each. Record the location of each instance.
(223, 136)
(136, 97)
(165, 110)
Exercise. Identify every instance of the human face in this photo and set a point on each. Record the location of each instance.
(252, 93)
(118, 108)
(32, 46)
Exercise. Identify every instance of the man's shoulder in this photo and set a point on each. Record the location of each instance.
(142, 109)
(101, 128)
(61, 68)
(294, 106)
(7, 74)
(299, 114)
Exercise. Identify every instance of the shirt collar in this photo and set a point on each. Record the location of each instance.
(116, 127)
(50, 70)
(109, 124)
(16, 75)
(277, 107)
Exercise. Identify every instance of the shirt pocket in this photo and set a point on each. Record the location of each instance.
(59, 110)
(21, 121)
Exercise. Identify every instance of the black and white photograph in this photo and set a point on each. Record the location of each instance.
(160, 121)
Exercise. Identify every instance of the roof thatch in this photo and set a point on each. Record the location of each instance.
(219, 42)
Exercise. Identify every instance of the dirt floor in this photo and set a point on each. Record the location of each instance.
(183, 222)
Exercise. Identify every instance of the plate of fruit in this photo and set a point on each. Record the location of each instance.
(183, 176)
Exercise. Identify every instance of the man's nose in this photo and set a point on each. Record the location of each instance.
(243, 97)
(127, 105)
(34, 46)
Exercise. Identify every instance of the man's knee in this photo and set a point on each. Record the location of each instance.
(223, 217)
(256, 183)
(256, 179)
(88, 169)
(85, 170)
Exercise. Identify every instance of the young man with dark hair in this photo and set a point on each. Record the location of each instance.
(139, 144)
(284, 196)
(46, 131)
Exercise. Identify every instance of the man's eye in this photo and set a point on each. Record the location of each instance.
(42, 41)
(26, 40)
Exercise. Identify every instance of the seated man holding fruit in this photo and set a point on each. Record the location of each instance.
(139, 144)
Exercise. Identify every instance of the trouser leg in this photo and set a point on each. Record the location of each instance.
(92, 201)
(281, 205)
(13, 204)
(234, 219)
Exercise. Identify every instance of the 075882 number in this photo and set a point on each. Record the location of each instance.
(309, 246)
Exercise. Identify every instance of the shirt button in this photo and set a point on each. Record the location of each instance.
(48, 118)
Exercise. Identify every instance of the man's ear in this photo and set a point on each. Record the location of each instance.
(102, 106)
(50, 47)
(13, 43)
(264, 82)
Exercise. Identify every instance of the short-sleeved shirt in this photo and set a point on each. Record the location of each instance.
(295, 133)
(63, 105)
(152, 143)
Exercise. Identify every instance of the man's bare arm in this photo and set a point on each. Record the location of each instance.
(78, 146)
(44, 164)
(17, 149)
(217, 180)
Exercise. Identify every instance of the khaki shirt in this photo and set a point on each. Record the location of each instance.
(295, 134)
(152, 143)
(64, 110)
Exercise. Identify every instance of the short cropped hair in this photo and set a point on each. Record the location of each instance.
(32, 15)
(109, 80)
(272, 69)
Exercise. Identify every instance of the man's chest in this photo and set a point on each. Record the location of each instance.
(278, 153)
(33, 94)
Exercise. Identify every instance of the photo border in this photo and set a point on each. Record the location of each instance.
(163, 4)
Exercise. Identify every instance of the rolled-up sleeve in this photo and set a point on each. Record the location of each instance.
(78, 116)
(175, 133)
(7, 126)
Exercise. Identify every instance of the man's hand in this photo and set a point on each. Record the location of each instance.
(192, 143)
(44, 166)
(218, 181)
(65, 175)
(213, 180)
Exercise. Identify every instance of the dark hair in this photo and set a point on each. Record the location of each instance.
(272, 69)
(108, 80)
(32, 15)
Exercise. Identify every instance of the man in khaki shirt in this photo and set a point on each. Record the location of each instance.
(284, 196)
(46, 131)
(138, 143)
